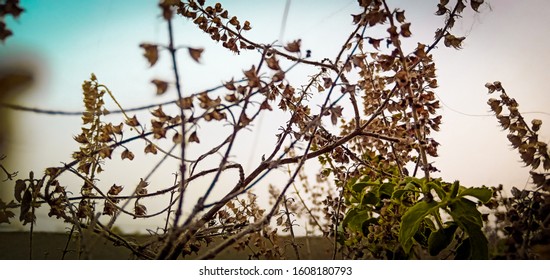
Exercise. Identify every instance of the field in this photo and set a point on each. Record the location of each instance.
(50, 246)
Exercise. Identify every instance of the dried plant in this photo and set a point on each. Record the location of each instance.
(375, 195)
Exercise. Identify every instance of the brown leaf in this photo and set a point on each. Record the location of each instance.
(247, 25)
(25, 205)
(194, 138)
(536, 123)
(177, 138)
(115, 190)
(162, 86)
(375, 42)
(272, 63)
(4, 32)
(141, 188)
(475, 4)
(400, 16)
(185, 103)
(265, 105)
(127, 154)
(151, 148)
(327, 82)
(195, 54)
(230, 85)
(151, 53)
(140, 210)
(405, 30)
(294, 46)
(132, 121)
(20, 187)
(335, 114)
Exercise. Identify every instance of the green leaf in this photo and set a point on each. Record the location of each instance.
(441, 239)
(355, 218)
(422, 234)
(484, 194)
(370, 199)
(454, 189)
(411, 222)
(438, 189)
(463, 251)
(359, 187)
(466, 210)
(479, 248)
(386, 189)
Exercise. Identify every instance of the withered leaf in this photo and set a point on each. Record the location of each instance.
(230, 85)
(185, 103)
(177, 138)
(375, 42)
(151, 148)
(536, 123)
(115, 190)
(105, 152)
(475, 4)
(162, 86)
(279, 76)
(327, 82)
(132, 121)
(246, 25)
(25, 205)
(127, 154)
(141, 188)
(400, 16)
(4, 32)
(151, 53)
(335, 114)
(460, 6)
(195, 54)
(265, 106)
(140, 210)
(272, 63)
(441, 10)
(294, 46)
(194, 138)
(20, 187)
(452, 41)
(159, 113)
(405, 30)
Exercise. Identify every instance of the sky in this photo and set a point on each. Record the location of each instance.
(64, 41)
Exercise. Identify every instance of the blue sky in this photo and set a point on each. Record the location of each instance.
(67, 40)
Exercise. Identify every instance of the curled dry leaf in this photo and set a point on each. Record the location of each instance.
(230, 85)
(115, 190)
(400, 16)
(195, 54)
(185, 103)
(177, 138)
(475, 4)
(151, 53)
(141, 188)
(294, 46)
(151, 148)
(405, 30)
(132, 121)
(140, 210)
(127, 154)
(272, 63)
(161, 86)
(194, 138)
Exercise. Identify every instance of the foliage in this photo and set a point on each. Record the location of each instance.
(374, 197)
